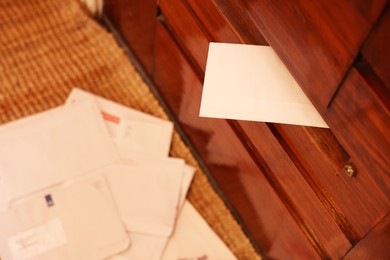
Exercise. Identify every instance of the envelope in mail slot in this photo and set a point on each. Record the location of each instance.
(47, 148)
(76, 220)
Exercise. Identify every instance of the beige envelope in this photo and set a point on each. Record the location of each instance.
(137, 139)
(47, 148)
(77, 220)
(250, 82)
(143, 247)
(147, 193)
(135, 133)
(194, 239)
(151, 247)
(189, 173)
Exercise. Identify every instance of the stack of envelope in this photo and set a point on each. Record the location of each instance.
(92, 180)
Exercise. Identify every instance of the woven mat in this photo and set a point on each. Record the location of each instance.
(48, 46)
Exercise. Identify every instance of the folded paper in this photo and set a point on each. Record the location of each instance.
(250, 82)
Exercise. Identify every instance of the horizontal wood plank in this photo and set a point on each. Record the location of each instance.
(317, 40)
(324, 160)
(362, 121)
(215, 22)
(376, 51)
(303, 202)
(187, 30)
(375, 245)
(135, 21)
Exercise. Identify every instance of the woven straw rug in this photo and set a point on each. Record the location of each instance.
(49, 46)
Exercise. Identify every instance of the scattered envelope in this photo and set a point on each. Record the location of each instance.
(47, 148)
(189, 173)
(143, 247)
(147, 194)
(151, 247)
(250, 82)
(131, 129)
(194, 239)
(77, 220)
(50, 213)
(138, 139)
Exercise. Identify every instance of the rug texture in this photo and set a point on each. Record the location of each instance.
(47, 47)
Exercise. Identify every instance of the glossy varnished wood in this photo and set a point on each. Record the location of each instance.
(187, 30)
(317, 40)
(361, 122)
(376, 51)
(236, 15)
(286, 182)
(211, 17)
(135, 21)
(310, 213)
(375, 245)
(323, 160)
(241, 180)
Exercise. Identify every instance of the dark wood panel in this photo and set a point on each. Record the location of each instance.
(189, 33)
(241, 180)
(323, 159)
(234, 11)
(187, 30)
(362, 123)
(211, 17)
(377, 51)
(304, 203)
(283, 180)
(317, 40)
(135, 21)
(311, 212)
(200, 23)
(375, 245)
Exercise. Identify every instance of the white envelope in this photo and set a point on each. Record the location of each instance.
(151, 247)
(194, 239)
(47, 148)
(77, 220)
(250, 82)
(189, 173)
(143, 247)
(132, 130)
(137, 139)
(147, 194)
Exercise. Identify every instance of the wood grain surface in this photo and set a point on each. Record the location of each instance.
(318, 40)
(287, 183)
(241, 180)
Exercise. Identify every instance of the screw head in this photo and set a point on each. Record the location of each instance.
(349, 170)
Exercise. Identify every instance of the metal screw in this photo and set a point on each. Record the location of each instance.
(349, 170)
